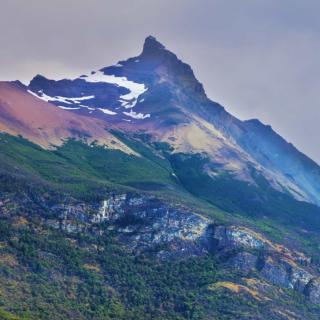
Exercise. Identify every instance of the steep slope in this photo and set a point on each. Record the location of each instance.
(108, 248)
(146, 200)
(273, 152)
(23, 114)
(157, 93)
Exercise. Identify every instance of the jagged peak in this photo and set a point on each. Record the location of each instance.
(155, 54)
(151, 45)
(38, 78)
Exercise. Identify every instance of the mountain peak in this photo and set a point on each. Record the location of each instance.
(152, 45)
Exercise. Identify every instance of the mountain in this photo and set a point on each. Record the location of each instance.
(159, 94)
(126, 193)
(40, 122)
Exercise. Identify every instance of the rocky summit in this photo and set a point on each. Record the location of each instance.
(126, 193)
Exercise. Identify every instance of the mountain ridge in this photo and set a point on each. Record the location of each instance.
(169, 101)
(126, 193)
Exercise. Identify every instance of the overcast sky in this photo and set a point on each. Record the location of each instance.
(259, 58)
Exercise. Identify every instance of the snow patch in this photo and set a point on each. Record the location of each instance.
(89, 108)
(136, 115)
(41, 95)
(128, 100)
(68, 108)
(107, 111)
(81, 98)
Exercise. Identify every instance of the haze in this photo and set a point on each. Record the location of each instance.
(258, 58)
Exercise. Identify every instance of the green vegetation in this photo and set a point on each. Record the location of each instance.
(82, 169)
(46, 274)
(89, 172)
(270, 211)
(53, 275)
(4, 315)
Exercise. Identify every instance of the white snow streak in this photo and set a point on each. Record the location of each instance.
(41, 95)
(136, 115)
(128, 100)
(68, 108)
(107, 111)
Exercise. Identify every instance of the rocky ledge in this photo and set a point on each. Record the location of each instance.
(145, 223)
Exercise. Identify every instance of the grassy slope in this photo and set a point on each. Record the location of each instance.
(48, 274)
(77, 167)
(279, 216)
(89, 172)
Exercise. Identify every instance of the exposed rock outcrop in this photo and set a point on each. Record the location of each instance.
(246, 250)
(313, 290)
(235, 237)
(244, 261)
(143, 222)
(275, 273)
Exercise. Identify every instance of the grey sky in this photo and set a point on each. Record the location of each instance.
(259, 58)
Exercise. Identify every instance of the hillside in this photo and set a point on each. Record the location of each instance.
(127, 194)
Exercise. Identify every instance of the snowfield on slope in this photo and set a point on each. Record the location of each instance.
(41, 95)
(128, 100)
(136, 115)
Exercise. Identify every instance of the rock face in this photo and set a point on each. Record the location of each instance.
(158, 93)
(246, 251)
(141, 222)
(275, 273)
(145, 223)
(300, 279)
(313, 290)
(236, 237)
(244, 261)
